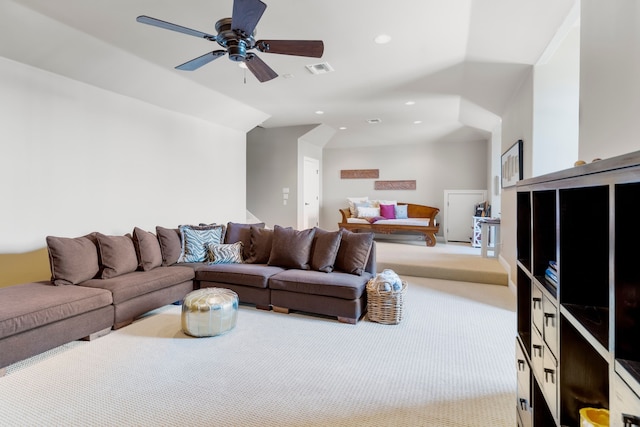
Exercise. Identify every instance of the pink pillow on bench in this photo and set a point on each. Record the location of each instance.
(388, 211)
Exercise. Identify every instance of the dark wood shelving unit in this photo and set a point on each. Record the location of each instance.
(585, 326)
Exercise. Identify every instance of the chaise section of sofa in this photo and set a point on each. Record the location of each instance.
(38, 316)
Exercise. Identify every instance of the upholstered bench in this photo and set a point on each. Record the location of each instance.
(38, 316)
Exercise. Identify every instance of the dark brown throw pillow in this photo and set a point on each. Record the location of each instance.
(324, 250)
(170, 244)
(291, 248)
(261, 242)
(241, 233)
(353, 252)
(117, 254)
(147, 249)
(72, 260)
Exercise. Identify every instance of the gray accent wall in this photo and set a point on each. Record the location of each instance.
(447, 165)
(273, 164)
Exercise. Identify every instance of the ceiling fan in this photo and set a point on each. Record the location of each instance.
(237, 36)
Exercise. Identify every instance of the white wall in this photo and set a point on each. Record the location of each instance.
(609, 78)
(77, 159)
(272, 164)
(517, 123)
(556, 106)
(450, 165)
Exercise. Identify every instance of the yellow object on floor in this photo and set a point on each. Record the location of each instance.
(594, 417)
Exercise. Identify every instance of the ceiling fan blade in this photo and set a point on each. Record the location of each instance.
(246, 14)
(173, 27)
(259, 68)
(310, 48)
(201, 60)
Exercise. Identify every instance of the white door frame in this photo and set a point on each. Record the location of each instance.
(306, 203)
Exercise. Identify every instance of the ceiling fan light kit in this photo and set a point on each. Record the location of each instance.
(237, 36)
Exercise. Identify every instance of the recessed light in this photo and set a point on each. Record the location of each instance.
(410, 103)
(319, 112)
(342, 128)
(374, 121)
(417, 122)
(382, 39)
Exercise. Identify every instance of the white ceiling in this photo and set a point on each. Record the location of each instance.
(458, 60)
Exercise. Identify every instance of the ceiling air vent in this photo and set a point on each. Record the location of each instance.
(374, 121)
(320, 68)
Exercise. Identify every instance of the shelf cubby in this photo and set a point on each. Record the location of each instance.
(584, 375)
(523, 237)
(627, 278)
(524, 309)
(544, 232)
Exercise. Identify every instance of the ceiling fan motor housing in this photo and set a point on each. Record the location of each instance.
(236, 42)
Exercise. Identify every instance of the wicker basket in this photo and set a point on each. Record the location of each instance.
(385, 306)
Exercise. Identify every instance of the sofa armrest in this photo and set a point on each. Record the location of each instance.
(346, 213)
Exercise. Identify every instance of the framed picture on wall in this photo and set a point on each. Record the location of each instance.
(512, 165)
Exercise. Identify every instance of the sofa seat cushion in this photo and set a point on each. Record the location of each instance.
(335, 284)
(136, 283)
(254, 275)
(31, 305)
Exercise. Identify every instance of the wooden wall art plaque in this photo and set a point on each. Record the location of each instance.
(359, 173)
(395, 185)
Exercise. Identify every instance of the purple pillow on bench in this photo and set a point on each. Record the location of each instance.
(388, 211)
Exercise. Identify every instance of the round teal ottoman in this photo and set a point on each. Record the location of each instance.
(208, 312)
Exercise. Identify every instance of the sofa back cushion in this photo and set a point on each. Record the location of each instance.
(241, 233)
(170, 246)
(117, 255)
(147, 248)
(291, 248)
(325, 250)
(353, 253)
(260, 247)
(72, 260)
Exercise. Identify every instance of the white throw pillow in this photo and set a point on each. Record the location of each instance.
(352, 203)
(368, 212)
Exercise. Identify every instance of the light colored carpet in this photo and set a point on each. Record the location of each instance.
(450, 362)
(449, 261)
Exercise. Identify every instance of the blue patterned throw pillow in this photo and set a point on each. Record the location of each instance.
(229, 253)
(196, 240)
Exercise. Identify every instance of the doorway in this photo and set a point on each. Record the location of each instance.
(311, 193)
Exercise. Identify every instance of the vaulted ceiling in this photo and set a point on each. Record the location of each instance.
(457, 62)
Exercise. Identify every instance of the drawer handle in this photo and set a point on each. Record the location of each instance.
(538, 348)
(548, 316)
(548, 372)
(523, 404)
(537, 301)
(520, 365)
(630, 420)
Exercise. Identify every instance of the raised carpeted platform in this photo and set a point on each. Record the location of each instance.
(448, 261)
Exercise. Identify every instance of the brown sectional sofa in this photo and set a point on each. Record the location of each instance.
(105, 282)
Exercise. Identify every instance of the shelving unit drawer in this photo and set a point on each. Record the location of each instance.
(537, 354)
(550, 382)
(550, 324)
(523, 395)
(537, 315)
(522, 368)
(625, 405)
